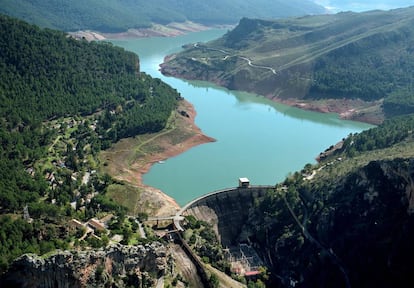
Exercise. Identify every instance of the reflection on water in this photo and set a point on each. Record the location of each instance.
(256, 138)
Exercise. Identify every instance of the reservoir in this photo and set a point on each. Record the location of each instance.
(256, 138)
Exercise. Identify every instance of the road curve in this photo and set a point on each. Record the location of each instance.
(227, 55)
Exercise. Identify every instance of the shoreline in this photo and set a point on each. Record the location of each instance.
(122, 164)
(131, 158)
(346, 109)
(156, 30)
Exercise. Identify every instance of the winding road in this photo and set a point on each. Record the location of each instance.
(249, 62)
(228, 55)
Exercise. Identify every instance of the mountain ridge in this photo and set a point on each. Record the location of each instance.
(348, 55)
(119, 16)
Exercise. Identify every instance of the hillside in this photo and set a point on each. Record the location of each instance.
(359, 56)
(118, 16)
(365, 5)
(350, 224)
(62, 102)
(344, 222)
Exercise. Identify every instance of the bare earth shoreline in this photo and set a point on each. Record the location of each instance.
(157, 30)
(194, 137)
(129, 159)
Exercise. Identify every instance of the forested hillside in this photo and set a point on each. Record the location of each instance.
(62, 101)
(365, 56)
(117, 16)
(347, 221)
(49, 75)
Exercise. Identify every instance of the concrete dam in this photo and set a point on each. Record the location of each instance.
(227, 210)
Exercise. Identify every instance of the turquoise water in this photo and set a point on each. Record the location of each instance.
(256, 138)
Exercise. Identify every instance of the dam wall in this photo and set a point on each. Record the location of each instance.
(227, 210)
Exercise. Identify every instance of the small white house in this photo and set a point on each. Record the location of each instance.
(244, 182)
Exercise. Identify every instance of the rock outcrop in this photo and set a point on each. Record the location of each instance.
(355, 230)
(114, 266)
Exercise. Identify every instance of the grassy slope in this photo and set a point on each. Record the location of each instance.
(285, 43)
(342, 168)
(391, 140)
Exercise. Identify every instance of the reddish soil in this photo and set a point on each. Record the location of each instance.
(124, 162)
(171, 150)
(157, 30)
(349, 109)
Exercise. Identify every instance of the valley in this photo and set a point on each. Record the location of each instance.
(100, 146)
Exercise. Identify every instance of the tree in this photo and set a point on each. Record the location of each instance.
(214, 280)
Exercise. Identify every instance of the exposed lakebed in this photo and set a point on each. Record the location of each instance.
(256, 138)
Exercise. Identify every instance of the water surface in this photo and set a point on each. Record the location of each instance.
(256, 138)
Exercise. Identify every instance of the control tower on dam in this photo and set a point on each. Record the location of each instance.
(227, 210)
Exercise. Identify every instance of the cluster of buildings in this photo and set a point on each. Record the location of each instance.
(92, 227)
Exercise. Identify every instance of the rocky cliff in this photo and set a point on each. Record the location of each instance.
(115, 266)
(356, 231)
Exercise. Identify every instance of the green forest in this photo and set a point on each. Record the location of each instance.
(118, 16)
(62, 101)
(392, 132)
(361, 70)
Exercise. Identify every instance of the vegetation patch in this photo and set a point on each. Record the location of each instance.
(63, 101)
(127, 196)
